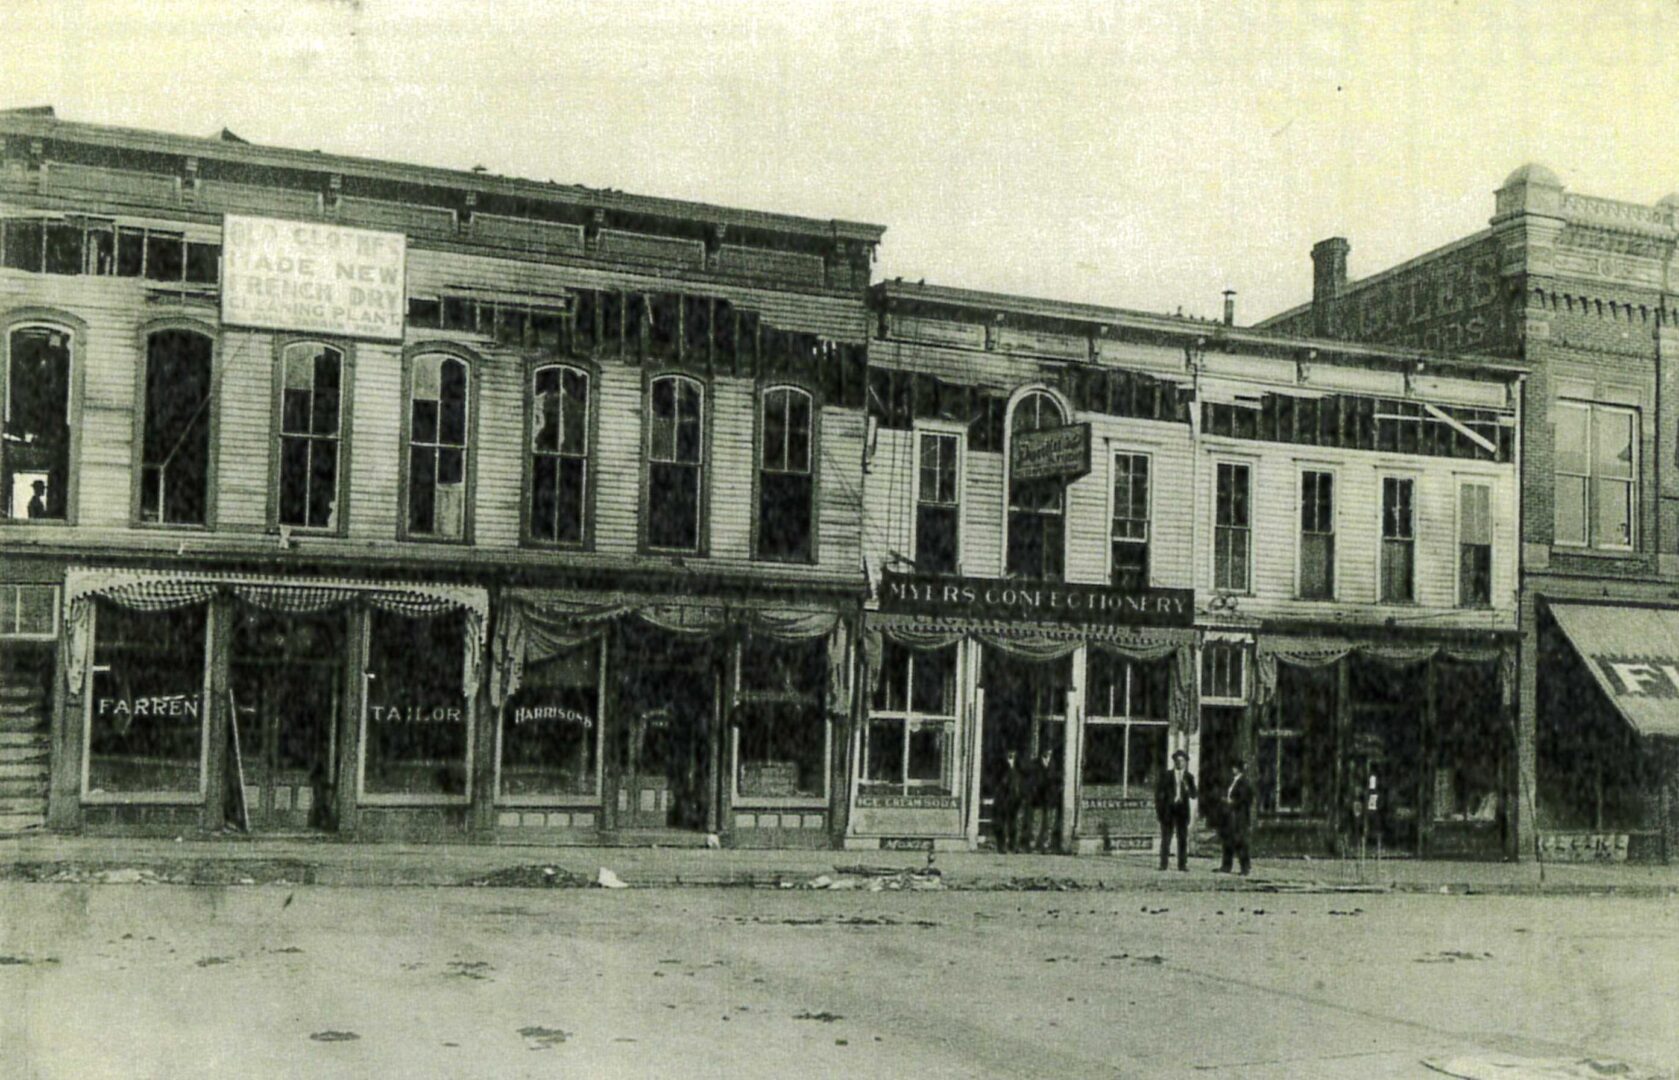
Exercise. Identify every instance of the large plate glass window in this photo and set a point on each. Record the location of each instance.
(35, 436)
(780, 728)
(559, 465)
(550, 735)
(417, 715)
(1125, 707)
(146, 701)
(909, 742)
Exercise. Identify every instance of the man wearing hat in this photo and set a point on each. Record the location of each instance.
(1172, 798)
(38, 502)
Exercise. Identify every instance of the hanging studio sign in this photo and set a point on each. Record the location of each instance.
(313, 277)
(1036, 601)
(1060, 453)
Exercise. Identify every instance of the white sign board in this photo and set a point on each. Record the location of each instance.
(313, 277)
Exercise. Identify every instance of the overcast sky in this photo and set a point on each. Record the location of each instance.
(1141, 155)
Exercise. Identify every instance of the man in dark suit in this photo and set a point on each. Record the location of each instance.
(1173, 795)
(1010, 803)
(1237, 820)
(1045, 787)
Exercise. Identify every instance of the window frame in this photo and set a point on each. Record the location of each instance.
(176, 324)
(1303, 470)
(1016, 400)
(16, 588)
(909, 719)
(1462, 481)
(702, 545)
(1591, 408)
(943, 429)
(813, 470)
(1247, 466)
(1243, 650)
(1147, 542)
(75, 329)
(505, 717)
(364, 707)
(1382, 539)
(346, 350)
(474, 373)
(1128, 721)
(742, 697)
(591, 457)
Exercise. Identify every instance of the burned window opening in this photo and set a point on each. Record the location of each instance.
(175, 450)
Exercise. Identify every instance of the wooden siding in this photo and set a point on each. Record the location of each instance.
(376, 445)
(245, 404)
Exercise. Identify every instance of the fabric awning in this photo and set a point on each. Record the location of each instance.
(1633, 653)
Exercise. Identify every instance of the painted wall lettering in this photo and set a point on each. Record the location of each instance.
(417, 714)
(184, 706)
(291, 275)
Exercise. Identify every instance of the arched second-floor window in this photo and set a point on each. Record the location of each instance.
(35, 424)
(439, 436)
(786, 476)
(559, 454)
(312, 392)
(675, 463)
(1037, 507)
(175, 428)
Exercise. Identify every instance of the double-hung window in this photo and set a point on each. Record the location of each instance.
(675, 463)
(938, 502)
(1474, 544)
(786, 480)
(1317, 535)
(1130, 526)
(175, 429)
(311, 433)
(909, 743)
(1596, 463)
(1399, 540)
(559, 454)
(1232, 528)
(35, 425)
(1036, 526)
(438, 437)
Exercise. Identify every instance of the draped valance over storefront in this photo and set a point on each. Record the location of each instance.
(534, 625)
(152, 590)
(1046, 641)
(1272, 649)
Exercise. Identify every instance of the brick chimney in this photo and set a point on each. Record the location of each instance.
(1230, 307)
(1329, 278)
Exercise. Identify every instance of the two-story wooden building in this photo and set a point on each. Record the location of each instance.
(1096, 536)
(344, 495)
(1584, 292)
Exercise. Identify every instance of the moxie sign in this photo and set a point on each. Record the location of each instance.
(1041, 601)
(1062, 452)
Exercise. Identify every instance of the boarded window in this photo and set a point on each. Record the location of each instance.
(175, 455)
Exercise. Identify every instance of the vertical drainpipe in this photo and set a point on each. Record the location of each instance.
(1195, 555)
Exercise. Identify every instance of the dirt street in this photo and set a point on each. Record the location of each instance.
(271, 981)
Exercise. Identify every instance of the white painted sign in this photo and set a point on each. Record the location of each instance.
(313, 277)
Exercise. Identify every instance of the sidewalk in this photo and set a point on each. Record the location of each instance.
(292, 861)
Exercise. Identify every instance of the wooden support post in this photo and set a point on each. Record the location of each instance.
(219, 643)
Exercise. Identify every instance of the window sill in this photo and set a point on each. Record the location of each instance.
(802, 802)
(147, 798)
(35, 523)
(412, 801)
(559, 802)
(439, 541)
(1617, 554)
(531, 543)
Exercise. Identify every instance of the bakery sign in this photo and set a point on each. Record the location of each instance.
(1052, 453)
(1034, 600)
(313, 278)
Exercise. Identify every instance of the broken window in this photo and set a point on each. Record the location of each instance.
(786, 481)
(146, 701)
(35, 437)
(175, 451)
(559, 467)
(550, 736)
(23, 239)
(166, 257)
(425, 312)
(938, 502)
(311, 431)
(437, 446)
(63, 248)
(780, 727)
(676, 462)
(417, 712)
(910, 738)
(1036, 531)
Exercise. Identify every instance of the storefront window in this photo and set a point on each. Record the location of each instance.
(781, 732)
(912, 722)
(1296, 742)
(1125, 705)
(1471, 740)
(417, 715)
(146, 702)
(550, 733)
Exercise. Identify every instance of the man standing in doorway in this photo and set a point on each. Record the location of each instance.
(1046, 802)
(1010, 803)
(1172, 798)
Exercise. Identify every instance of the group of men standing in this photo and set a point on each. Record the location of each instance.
(1028, 803)
(1174, 794)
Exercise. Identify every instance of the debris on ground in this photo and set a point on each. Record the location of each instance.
(335, 1036)
(543, 1038)
(530, 877)
(1505, 1067)
(876, 879)
(606, 879)
(1451, 956)
(824, 1017)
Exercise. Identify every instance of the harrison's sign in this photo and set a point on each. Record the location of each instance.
(1040, 601)
(1062, 452)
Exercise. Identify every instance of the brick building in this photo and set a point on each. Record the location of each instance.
(1584, 292)
(349, 496)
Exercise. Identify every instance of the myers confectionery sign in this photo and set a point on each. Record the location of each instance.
(1062, 452)
(312, 277)
(1037, 601)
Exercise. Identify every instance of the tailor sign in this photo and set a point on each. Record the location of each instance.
(1035, 601)
(1053, 453)
(313, 278)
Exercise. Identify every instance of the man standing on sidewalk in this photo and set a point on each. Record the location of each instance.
(1172, 797)
(1237, 821)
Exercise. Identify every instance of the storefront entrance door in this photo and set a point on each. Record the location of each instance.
(1025, 710)
(666, 700)
(287, 684)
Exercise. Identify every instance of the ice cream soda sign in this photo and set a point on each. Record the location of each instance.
(312, 277)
